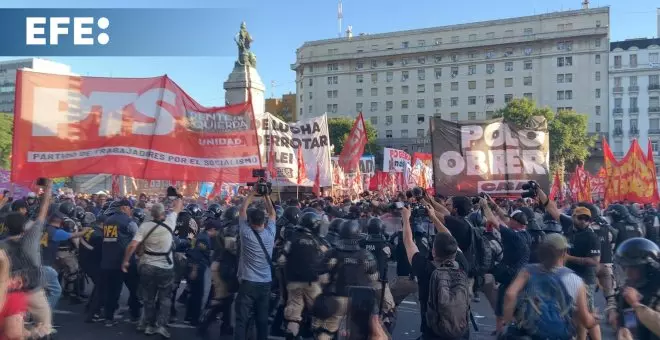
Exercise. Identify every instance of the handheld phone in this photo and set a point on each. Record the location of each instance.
(361, 306)
(629, 318)
(398, 205)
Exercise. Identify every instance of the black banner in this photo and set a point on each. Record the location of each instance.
(492, 156)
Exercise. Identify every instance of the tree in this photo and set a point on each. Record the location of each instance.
(569, 139)
(6, 133)
(340, 127)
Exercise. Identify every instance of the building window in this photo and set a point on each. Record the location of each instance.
(454, 39)
(334, 80)
(654, 124)
(508, 82)
(404, 44)
(310, 96)
(437, 58)
(508, 98)
(421, 88)
(633, 80)
(654, 102)
(389, 105)
(527, 65)
(454, 101)
(490, 68)
(454, 57)
(331, 94)
(437, 87)
(560, 95)
(560, 78)
(508, 66)
(654, 80)
(472, 116)
(300, 111)
(404, 104)
(490, 99)
(421, 43)
(490, 35)
(528, 31)
(454, 86)
(309, 109)
(472, 100)
(374, 106)
(617, 61)
(359, 78)
(389, 76)
(472, 55)
(333, 67)
(597, 93)
(472, 84)
(564, 61)
(388, 133)
(404, 61)
(404, 133)
(454, 71)
(597, 75)
(374, 91)
(332, 108)
(420, 118)
(490, 83)
(389, 90)
(472, 69)
(597, 59)
(404, 119)
(421, 60)
(374, 63)
(653, 57)
(454, 116)
(438, 72)
(527, 81)
(618, 102)
(489, 114)
(359, 92)
(389, 62)
(311, 81)
(374, 120)
(437, 102)
(597, 127)
(437, 41)
(374, 77)
(565, 45)
(633, 102)
(405, 89)
(633, 60)
(420, 103)
(597, 110)
(359, 65)
(421, 74)
(527, 95)
(405, 75)
(358, 107)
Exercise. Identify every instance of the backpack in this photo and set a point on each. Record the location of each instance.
(480, 252)
(448, 304)
(545, 310)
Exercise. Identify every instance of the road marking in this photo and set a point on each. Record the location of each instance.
(409, 302)
(180, 325)
(59, 311)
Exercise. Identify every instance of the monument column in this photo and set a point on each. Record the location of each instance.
(244, 78)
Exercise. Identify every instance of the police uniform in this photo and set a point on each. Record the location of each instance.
(89, 257)
(67, 261)
(199, 260)
(379, 246)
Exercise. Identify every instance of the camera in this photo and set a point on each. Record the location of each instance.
(418, 211)
(530, 189)
(262, 187)
(475, 200)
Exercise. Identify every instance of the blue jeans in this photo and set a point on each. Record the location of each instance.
(52, 286)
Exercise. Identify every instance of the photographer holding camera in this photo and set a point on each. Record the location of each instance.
(257, 238)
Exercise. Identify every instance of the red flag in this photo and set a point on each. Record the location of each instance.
(115, 185)
(354, 145)
(555, 191)
(302, 171)
(317, 181)
(651, 166)
(271, 159)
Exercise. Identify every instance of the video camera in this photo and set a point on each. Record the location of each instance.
(530, 188)
(262, 186)
(475, 200)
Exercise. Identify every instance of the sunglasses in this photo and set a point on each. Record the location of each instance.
(583, 218)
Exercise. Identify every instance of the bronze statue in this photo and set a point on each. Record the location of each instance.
(243, 41)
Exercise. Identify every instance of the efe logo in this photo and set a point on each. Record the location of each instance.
(82, 30)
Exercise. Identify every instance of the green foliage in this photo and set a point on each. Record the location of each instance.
(569, 139)
(340, 127)
(6, 133)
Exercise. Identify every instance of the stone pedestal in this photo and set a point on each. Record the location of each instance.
(241, 80)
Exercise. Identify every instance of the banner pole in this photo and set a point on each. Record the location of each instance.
(297, 192)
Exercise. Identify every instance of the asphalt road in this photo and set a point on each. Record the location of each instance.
(69, 319)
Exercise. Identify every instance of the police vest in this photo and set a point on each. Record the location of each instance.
(352, 269)
(381, 250)
(48, 246)
(115, 234)
(627, 231)
(90, 246)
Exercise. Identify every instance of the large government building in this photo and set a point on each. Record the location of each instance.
(399, 80)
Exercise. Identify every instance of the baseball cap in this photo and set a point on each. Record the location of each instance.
(557, 241)
(519, 216)
(579, 211)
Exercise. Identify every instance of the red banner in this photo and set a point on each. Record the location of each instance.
(349, 159)
(144, 128)
(632, 178)
(580, 185)
(555, 189)
(598, 184)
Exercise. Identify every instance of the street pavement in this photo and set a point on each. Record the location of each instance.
(69, 319)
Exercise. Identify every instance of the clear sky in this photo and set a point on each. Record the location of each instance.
(279, 27)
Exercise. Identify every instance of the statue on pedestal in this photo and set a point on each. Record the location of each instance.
(243, 41)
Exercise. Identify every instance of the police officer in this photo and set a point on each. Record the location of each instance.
(640, 258)
(199, 260)
(224, 269)
(185, 231)
(67, 260)
(379, 246)
(118, 231)
(196, 213)
(139, 216)
(349, 265)
(652, 224)
(626, 226)
(286, 224)
(89, 257)
(333, 231)
(213, 212)
(302, 259)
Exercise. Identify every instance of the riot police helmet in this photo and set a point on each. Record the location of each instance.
(531, 218)
(139, 215)
(617, 212)
(68, 209)
(214, 210)
(309, 209)
(350, 230)
(637, 251)
(335, 225)
(375, 226)
(194, 210)
(230, 215)
(292, 214)
(79, 213)
(311, 221)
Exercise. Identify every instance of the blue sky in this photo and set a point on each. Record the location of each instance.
(279, 27)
